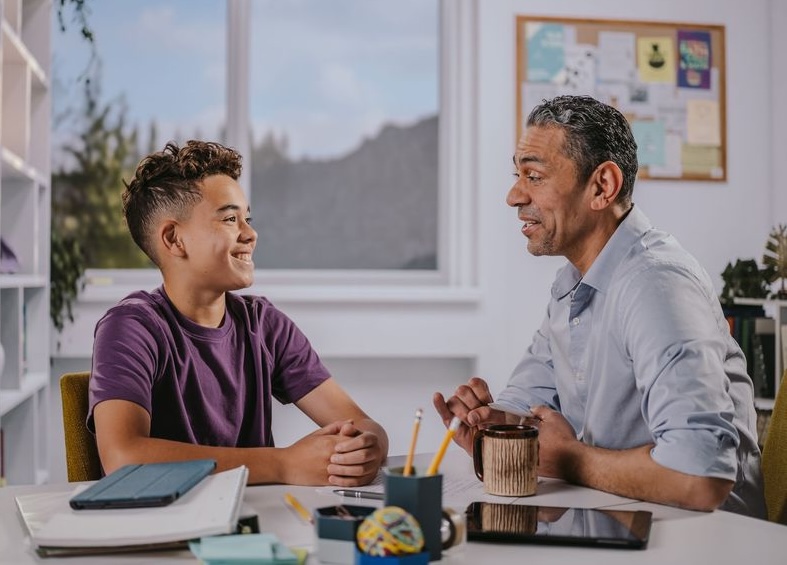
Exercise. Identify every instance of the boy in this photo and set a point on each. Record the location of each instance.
(188, 370)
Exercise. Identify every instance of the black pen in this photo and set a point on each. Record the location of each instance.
(359, 494)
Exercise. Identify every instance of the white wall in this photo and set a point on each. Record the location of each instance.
(778, 110)
(392, 354)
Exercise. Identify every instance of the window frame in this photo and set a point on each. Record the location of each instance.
(455, 279)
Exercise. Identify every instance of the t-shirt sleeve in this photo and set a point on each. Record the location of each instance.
(297, 368)
(124, 359)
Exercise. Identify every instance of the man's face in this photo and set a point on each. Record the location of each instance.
(217, 237)
(554, 207)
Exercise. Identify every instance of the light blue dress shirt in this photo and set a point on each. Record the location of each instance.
(638, 351)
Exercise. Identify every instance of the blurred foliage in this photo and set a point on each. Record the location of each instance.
(87, 219)
(775, 258)
(743, 280)
(67, 267)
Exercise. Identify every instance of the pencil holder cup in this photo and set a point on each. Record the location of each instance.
(421, 496)
(336, 527)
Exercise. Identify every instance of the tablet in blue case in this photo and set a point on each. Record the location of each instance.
(147, 484)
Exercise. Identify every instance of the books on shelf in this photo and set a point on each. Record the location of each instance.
(210, 508)
(756, 335)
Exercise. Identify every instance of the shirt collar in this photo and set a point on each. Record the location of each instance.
(601, 271)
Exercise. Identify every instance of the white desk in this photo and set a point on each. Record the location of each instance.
(677, 536)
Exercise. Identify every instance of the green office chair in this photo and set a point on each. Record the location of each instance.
(774, 458)
(82, 461)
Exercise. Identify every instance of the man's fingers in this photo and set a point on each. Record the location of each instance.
(480, 390)
(442, 408)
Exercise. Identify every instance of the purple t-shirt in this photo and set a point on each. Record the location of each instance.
(207, 386)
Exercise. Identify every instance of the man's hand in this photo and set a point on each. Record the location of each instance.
(469, 403)
(557, 444)
(357, 457)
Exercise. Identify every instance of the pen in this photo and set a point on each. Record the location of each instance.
(523, 414)
(438, 457)
(359, 494)
(295, 504)
(408, 466)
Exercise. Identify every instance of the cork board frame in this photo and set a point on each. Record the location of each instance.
(668, 79)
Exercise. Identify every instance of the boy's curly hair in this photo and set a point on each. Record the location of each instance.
(168, 181)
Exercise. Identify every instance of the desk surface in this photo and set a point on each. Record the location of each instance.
(677, 536)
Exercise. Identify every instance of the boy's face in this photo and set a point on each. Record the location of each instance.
(217, 237)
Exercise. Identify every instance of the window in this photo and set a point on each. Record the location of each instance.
(334, 105)
(344, 114)
(158, 75)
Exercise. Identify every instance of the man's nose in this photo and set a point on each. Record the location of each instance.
(517, 195)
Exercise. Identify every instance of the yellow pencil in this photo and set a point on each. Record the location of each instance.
(438, 457)
(408, 466)
(295, 504)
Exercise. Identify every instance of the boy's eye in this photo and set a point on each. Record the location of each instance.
(249, 220)
(231, 219)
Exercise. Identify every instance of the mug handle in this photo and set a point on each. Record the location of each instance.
(478, 462)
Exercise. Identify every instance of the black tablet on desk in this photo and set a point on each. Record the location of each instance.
(147, 484)
(516, 523)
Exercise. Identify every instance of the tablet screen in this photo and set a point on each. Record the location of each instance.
(516, 523)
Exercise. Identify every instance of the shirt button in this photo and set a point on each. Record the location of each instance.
(575, 321)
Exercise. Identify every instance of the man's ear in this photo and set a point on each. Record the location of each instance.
(607, 180)
(168, 235)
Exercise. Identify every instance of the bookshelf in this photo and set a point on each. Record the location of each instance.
(776, 309)
(24, 227)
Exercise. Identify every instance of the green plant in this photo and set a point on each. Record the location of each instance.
(743, 280)
(67, 266)
(775, 258)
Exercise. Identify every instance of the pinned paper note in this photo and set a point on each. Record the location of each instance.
(703, 125)
(656, 59)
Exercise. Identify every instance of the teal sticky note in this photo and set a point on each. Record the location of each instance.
(243, 549)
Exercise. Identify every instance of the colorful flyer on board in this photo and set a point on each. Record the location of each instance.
(545, 51)
(694, 52)
(656, 59)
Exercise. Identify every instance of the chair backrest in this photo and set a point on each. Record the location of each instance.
(82, 462)
(774, 458)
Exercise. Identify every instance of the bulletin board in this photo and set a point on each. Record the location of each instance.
(666, 78)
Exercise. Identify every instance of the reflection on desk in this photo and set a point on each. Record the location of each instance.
(677, 536)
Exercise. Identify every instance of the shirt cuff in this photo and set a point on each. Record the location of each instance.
(697, 452)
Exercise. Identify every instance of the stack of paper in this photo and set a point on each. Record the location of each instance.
(210, 508)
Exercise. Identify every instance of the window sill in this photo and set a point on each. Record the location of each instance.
(305, 288)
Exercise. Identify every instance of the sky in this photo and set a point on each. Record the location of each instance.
(325, 72)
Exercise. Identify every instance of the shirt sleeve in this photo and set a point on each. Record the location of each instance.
(124, 360)
(297, 368)
(532, 382)
(678, 345)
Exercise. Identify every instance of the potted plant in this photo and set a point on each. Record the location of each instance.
(743, 280)
(775, 259)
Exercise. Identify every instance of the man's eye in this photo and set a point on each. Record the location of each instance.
(533, 178)
(249, 220)
(516, 174)
(232, 219)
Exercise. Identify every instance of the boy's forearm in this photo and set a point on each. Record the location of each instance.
(265, 463)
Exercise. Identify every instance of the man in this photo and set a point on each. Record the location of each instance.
(639, 388)
(187, 371)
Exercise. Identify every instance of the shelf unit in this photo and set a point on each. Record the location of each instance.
(776, 309)
(25, 202)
